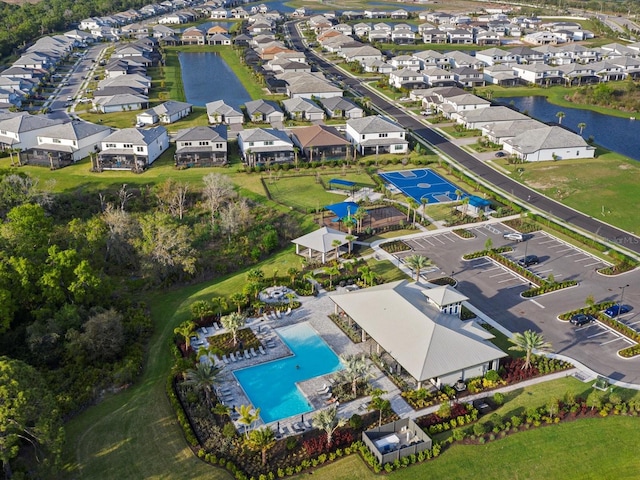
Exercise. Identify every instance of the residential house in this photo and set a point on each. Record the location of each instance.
(608, 71)
(499, 132)
(493, 56)
(19, 131)
(264, 111)
(406, 78)
(580, 53)
(468, 77)
(167, 112)
(320, 143)
(487, 37)
(403, 36)
(539, 74)
(308, 85)
(132, 149)
(260, 146)
(120, 103)
(377, 66)
(437, 77)
(219, 112)
(527, 55)
(361, 29)
(400, 14)
(65, 143)
(542, 38)
(201, 147)
(434, 35)
(419, 333)
(460, 36)
(502, 75)
(341, 107)
(579, 74)
(405, 61)
(361, 54)
(376, 134)
(432, 58)
(548, 143)
(475, 119)
(630, 66)
(162, 31)
(193, 36)
(302, 109)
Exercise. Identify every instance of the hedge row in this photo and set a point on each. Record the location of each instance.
(484, 253)
(548, 288)
(592, 310)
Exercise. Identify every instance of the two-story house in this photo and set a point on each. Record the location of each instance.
(201, 147)
(376, 134)
(132, 149)
(260, 146)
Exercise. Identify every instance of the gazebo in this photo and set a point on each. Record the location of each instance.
(321, 242)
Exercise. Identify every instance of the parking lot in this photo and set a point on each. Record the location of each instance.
(496, 291)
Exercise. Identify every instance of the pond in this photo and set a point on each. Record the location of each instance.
(613, 133)
(207, 77)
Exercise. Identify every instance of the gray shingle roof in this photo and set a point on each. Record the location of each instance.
(374, 124)
(221, 108)
(263, 134)
(338, 103)
(136, 136)
(23, 122)
(261, 106)
(75, 130)
(170, 107)
(212, 134)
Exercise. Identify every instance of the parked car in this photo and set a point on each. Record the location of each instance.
(616, 310)
(500, 154)
(581, 319)
(529, 260)
(426, 112)
(517, 236)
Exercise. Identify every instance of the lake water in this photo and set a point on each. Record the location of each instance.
(613, 133)
(207, 77)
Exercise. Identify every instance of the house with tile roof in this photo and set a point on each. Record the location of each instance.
(320, 143)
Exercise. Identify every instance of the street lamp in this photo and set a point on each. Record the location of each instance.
(621, 297)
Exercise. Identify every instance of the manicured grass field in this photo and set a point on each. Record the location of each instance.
(586, 449)
(604, 187)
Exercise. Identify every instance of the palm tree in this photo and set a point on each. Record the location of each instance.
(239, 299)
(311, 278)
(331, 271)
(412, 205)
(262, 439)
(247, 416)
(202, 378)
(219, 304)
(291, 297)
(255, 275)
(201, 309)
(185, 329)
(582, 126)
(233, 322)
(328, 421)
(560, 116)
(360, 214)
(336, 244)
(221, 410)
(350, 238)
(356, 368)
(417, 262)
(424, 201)
(378, 403)
(293, 273)
(528, 342)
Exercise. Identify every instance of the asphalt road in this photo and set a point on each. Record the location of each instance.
(472, 164)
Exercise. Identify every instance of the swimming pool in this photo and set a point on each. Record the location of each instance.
(272, 386)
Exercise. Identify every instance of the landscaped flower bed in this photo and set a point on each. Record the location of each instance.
(484, 253)
(591, 310)
(617, 269)
(457, 415)
(349, 330)
(395, 246)
(522, 225)
(224, 341)
(444, 281)
(463, 233)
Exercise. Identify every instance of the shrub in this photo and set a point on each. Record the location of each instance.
(355, 421)
(498, 398)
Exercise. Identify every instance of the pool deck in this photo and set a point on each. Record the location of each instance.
(315, 311)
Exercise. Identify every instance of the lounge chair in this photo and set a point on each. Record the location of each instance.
(327, 396)
(288, 312)
(297, 427)
(261, 348)
(253, 352)
(324, 389)
(216, 359)
(274, 316)
(278, 314)
(307, 425)
(284, 431)
(232, 357)
(264, 315)
(214, 326)
(246, 354)
(364, 406)
(225, 359)
(270, 344)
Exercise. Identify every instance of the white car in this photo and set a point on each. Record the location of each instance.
(517, 236)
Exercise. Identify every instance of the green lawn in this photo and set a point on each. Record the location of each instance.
(604, 187)
(386, 270)
(586, 449)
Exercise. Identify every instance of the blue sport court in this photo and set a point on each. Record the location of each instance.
(422, 183)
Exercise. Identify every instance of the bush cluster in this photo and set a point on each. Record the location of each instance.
(485, 253)
(463, 233)
(395, 246)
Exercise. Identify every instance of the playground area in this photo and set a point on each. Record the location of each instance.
(422, 183)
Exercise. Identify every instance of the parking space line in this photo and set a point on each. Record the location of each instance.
(565, 250)
(598, 334)
(546, 241)
(574, 254)
(538, 272)
(448, 237)
(479, 230)
(499, 274)
(592, 264)
(507, 280)
(580, 260)
(538, 304)
(557, 245)
(438, 239)
(614, 340)
(482, 264)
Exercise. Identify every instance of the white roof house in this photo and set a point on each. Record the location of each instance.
(548, 143)
(405, 320)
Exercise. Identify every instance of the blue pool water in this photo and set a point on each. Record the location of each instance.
(272, 386)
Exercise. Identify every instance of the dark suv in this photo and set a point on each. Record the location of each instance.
(528, 261)
(581, 319)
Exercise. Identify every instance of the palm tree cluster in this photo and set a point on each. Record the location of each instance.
(527, 342)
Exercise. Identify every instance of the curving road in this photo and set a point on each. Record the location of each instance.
(471, 163)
